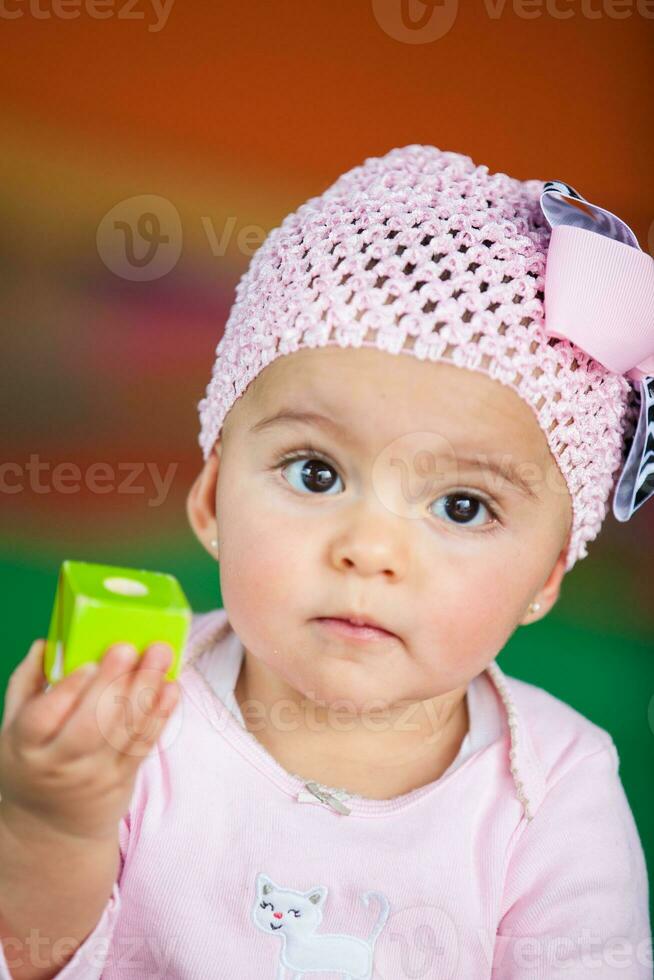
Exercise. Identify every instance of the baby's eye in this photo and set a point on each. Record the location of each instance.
(312, 473)
(463, 507)
(315, 475)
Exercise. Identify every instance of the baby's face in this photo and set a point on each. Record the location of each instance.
(381, 514)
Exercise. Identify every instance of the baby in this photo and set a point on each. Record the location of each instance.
(338, 490)
(383, 523)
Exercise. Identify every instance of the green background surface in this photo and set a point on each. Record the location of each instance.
(581, 652)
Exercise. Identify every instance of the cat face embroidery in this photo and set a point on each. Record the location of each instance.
(294, 916)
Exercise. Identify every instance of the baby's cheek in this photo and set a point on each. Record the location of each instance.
(470, 621)
(261, 564)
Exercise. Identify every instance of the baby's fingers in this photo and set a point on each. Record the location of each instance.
(48, 714)
(117, 708)
(145, 720)
(27, 679)
(38, 713)
(140, 716)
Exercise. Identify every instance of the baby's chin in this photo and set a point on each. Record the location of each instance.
(344, 687)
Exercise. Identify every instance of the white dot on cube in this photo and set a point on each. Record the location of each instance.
(125, 586)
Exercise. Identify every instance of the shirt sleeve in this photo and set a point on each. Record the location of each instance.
(576, 898)
(89, 959)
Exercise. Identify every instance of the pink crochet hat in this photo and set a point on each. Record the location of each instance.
(422, 252)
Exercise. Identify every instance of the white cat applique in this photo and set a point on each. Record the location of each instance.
(294, 917)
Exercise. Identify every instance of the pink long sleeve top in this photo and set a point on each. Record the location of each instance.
(521, 862)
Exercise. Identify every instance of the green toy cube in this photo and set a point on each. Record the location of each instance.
(98, 605)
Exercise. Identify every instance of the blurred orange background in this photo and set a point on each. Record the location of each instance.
(236, 115)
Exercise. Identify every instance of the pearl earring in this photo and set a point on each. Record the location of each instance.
(214, 543)
(533, 607)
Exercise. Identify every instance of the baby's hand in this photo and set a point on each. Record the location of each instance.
(69, 755)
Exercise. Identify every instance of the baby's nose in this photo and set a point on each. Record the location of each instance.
(277, 915)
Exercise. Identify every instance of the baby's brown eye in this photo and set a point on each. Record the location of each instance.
(315, 475)
(461, 508)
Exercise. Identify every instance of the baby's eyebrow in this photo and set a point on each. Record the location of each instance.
(504, 470)
(290, 416)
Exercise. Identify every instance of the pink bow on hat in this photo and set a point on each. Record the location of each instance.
(599, 294)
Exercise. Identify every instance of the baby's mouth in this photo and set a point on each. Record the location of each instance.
(346, 628)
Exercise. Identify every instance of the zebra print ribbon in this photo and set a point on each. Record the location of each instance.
(609, 312)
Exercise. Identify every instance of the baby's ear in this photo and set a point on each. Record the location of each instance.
(201, 500)
(548, 595)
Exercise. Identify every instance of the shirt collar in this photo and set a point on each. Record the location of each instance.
(524, 764)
